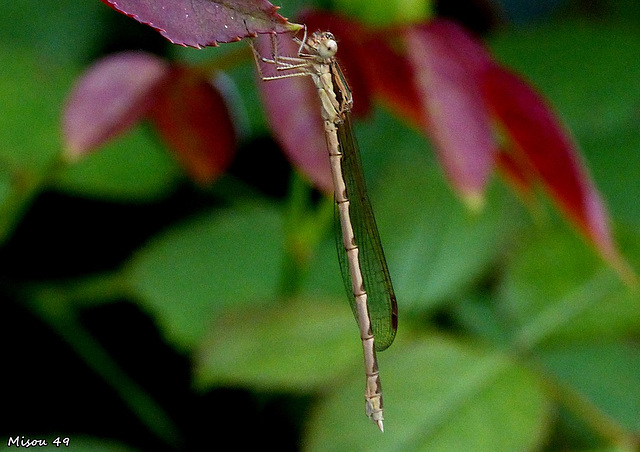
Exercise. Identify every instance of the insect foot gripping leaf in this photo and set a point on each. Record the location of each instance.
(200, 23)
(292, 110)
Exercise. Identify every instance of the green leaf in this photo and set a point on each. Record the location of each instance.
(64, 31)
(607, 374)
(388, 12)
(630, 448)
(435, 247)
(555, 287)
(614, 162)
(620, 448)
(6, 182)
(589, 70)
(439, 396)
(189, 274)
(293, 346)
(132, 167)
(32, 91)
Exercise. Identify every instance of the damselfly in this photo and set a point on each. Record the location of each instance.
(362, 261)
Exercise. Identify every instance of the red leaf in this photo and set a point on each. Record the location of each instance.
(541, 141)
(192, 118)
(109, 98)
(198, 23)
(447, 65)
(392, 78)
(293, 111)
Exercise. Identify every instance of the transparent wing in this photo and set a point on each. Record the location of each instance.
(381, 299)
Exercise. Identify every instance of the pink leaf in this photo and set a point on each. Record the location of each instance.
(447, 65)
(109, 98)
(192, 118)
(198, 23)
(539, 140)
(293, 110)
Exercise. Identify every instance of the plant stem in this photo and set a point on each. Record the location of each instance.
(26, 184)
(555, 318)
(558, 315)
(599, 421)
(57, 306)
(303, 231)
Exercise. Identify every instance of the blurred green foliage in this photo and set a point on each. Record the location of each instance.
(513, 335)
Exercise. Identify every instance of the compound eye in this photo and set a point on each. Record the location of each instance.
(328, 48)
